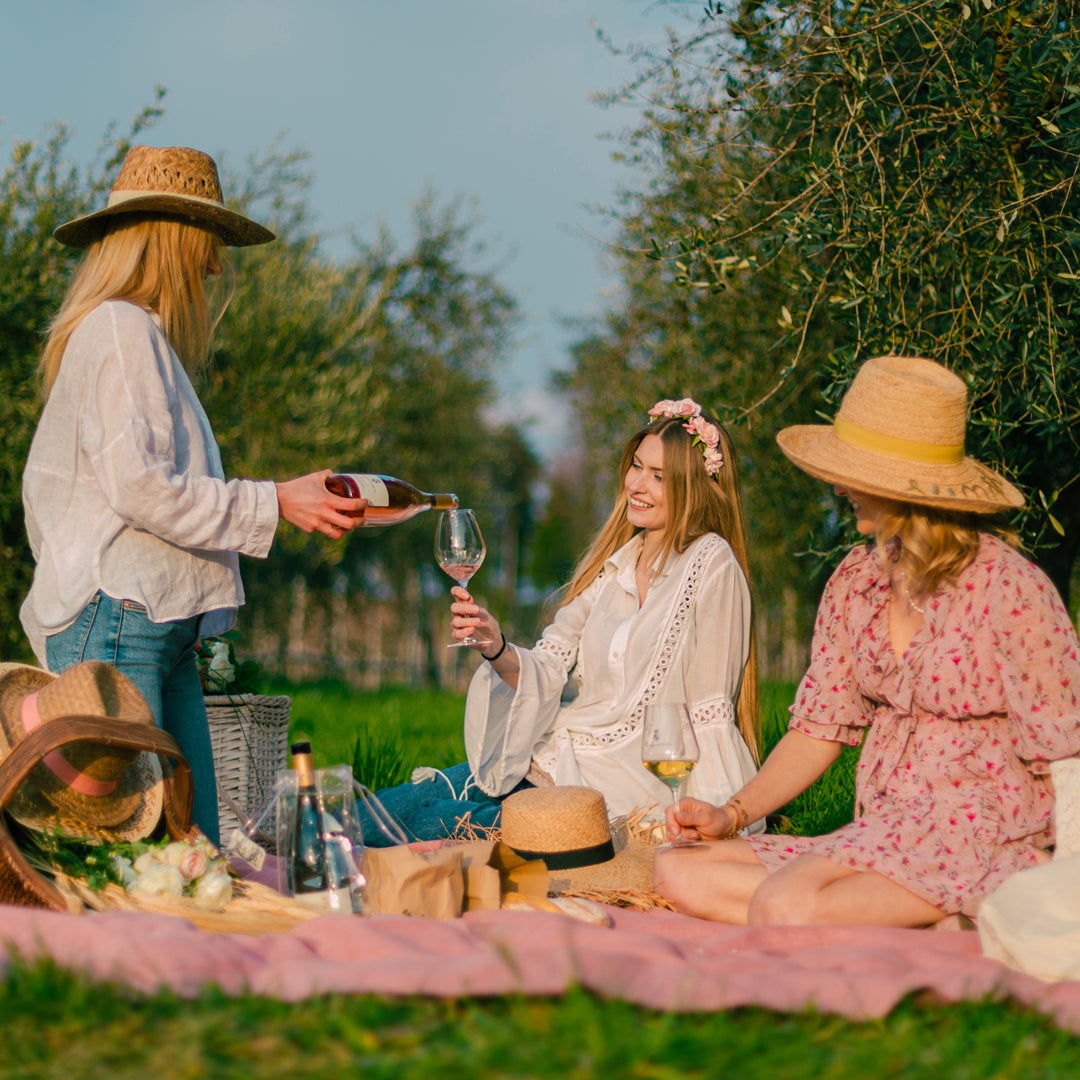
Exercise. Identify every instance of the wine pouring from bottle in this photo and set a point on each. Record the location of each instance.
(390, 500)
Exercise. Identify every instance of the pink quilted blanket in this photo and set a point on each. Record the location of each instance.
(656, 959)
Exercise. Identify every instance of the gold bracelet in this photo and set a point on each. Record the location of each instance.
(742, 816)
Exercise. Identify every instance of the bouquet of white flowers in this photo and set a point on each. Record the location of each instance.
(219, 671)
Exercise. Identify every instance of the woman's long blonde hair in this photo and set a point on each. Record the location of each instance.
(932, 546)
(696, 504)
(157, 263)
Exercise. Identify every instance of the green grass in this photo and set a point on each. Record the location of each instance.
(55, 1024)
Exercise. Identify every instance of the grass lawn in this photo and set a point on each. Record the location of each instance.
(58, 1025)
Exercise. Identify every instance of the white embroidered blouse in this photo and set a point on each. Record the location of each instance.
(582, 690)
(124, 489)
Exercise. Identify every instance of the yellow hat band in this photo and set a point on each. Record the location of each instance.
(908, 449)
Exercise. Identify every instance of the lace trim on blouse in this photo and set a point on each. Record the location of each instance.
(716, 710)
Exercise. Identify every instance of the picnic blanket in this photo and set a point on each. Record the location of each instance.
(656, 959)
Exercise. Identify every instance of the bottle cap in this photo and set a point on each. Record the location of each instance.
(300, 748)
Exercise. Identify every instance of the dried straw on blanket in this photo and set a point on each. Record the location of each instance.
(253, 909)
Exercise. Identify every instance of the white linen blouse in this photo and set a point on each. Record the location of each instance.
(582, 690)
(123, 488)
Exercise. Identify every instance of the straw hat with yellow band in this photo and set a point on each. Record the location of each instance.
(899, 435)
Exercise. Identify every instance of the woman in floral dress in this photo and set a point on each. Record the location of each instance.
(941, 649)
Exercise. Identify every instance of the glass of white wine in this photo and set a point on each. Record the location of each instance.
(459, 551)
(669, 747)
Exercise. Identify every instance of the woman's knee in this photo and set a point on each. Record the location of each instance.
(675, 880)
(776, 903)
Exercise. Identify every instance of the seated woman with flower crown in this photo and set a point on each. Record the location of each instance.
(658, 610)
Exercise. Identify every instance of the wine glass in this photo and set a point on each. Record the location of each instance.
(669, 748)
(459, 551)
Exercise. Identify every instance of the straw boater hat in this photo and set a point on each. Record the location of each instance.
(174, 181)
(568, 828)
(900, 435)
(88, 789)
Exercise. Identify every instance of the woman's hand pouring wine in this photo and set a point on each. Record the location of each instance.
(306, 503)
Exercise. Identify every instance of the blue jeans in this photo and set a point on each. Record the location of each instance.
(159, 658)
(431, 809)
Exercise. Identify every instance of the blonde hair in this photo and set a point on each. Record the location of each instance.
(157, 263)
(696, 504)
(933, 546)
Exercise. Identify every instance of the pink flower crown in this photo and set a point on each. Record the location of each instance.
(706, 435)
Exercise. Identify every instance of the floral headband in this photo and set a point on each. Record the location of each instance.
(706, 435)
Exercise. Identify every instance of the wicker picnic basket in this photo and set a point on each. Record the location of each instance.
(20, 883)
(249, 734)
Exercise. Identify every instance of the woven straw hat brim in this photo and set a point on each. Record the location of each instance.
(967, 485)
(143, 780)
(131, 811)
(234, 229)
(631, 871)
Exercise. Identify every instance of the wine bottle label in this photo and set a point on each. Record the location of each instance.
(339, 899)
(242, 845)
(370, 487)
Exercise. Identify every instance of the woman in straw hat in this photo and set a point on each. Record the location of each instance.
(135, 531)
(657, 610)
(942, 650)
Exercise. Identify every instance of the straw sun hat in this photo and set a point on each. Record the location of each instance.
(174, 181)
(899, 434)
(568, 828)
(89, 789)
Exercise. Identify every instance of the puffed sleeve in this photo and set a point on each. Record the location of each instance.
(828, 704)
(139, 449)
(712, 673)
(1038, 661)
(504, 725)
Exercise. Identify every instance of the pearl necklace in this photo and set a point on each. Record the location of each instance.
(907, 595)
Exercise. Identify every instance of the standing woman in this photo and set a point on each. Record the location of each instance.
(658, 610)
(941, 649)
(134, 530)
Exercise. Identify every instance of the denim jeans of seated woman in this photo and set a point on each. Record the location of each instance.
(159, 658)
(432, 808)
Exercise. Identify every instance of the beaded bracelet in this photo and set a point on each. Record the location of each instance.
(492, 659)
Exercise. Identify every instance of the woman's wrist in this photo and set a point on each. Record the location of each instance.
(492, 659)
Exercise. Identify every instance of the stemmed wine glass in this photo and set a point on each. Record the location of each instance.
(669, 748)
(459, 551)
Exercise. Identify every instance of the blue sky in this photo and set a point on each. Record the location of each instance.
(486, 99)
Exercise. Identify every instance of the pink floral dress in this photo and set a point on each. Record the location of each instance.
(950, 790)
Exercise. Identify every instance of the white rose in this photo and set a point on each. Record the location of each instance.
(220, 664)
(213, 891)
(160, 880)
(148, 859)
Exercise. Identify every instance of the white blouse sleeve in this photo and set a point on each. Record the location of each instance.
(503, 725)
(133, 436)
(712, 667)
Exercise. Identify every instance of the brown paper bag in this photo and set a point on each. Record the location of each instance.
(492, 870)
(427, 884)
